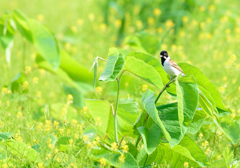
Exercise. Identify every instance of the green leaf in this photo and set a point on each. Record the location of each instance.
(186, 151)
(5, 135)
(148, 103)
(45, 43)
(187, 95)
(151, 137)
(197, 122)
(75, 70)
(132, 149)
(114, 65)
(21, 22)
(90, 131)
(203, 81)
(23, 150)
(101, 110)
(113, 158)
(204, 102)
(229, 127)
(17, 82)
(78, 97)
(140, 68)
(3, 153)
(128, 112)
(63, 143)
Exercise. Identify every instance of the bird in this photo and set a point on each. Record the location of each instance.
(169, 66)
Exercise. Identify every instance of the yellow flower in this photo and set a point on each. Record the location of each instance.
(144, 87)
(202, 8)
(125, 148)
(38, 94)
(205, 144)
(207, 151)
(55, 123)
(40, 165)
(160, 30)
(73, 165)
(74, 122)
(40, 17)
(103, 162)
(169, 23)
(28, 70)
(114, 146)
(4, 90)
(200, 135)
(182, 33)
(35, 80)
(61, 130)
(89, 145)
(99, 90)
(85, 109)
(233, 57)
(69, 131)
(67, 46)
(5, 165)
(74, 29)
(50, 145)
(97, 138)
(219, 157)
(94, 143)
(122, 158)
(25, 85)
(91, 17)
(118, 23)
(103, 26)
(70, 141)
(7, 103)
(157, 12)
(186, 164)
(19, 114)
(139, 24)
(185, 19)
(211, 8)
(80, 21)
(85, 138)
(69, 98)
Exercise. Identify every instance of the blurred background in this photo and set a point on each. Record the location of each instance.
(205, 34)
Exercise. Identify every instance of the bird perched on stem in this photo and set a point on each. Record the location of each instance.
(169, 65)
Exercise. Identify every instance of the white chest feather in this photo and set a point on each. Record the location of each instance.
(170, 69)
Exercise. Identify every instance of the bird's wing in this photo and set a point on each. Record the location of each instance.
(173, 64)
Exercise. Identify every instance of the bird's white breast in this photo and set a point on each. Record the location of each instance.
(170, 69)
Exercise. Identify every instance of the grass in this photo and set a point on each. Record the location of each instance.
(208, 38)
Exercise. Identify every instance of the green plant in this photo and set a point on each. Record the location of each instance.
(166, 130)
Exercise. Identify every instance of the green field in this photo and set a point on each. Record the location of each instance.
(48, 117)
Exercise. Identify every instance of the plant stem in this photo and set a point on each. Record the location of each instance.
(146, 160)
(115, 113)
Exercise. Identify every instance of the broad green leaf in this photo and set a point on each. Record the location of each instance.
(156, 64)
(203, 81)
(206, 105)
(101, 110)
(23, 150)
(63, 143)
(78, 97)
(5, 135)
(230, 127)
(90, 131)
(143, 158)
(140, 68)
(3, 153)
(21, 22)
(169, 116)
(114, 65)
(75, 70)
(187, 95)
(151, 137)
(132, 149)
(128, 112)
(186, 151)
(197, 122)
(45, 43)
(113, 158)
(148, 103)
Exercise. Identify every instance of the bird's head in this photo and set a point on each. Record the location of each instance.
(164, 54)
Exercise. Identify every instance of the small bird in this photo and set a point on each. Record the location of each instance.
(169, 65)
